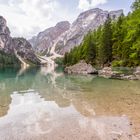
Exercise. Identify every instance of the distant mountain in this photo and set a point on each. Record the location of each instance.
(65, 36)
(15, 46)
(43, 42)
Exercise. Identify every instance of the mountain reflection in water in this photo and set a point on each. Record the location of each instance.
(67, 107)
(30, 116)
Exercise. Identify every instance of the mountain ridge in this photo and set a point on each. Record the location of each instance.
(46, 38)
(73, 36)
(9, 45)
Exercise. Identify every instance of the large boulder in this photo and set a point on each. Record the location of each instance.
(81, 68)
(137, 72)
(106, 72)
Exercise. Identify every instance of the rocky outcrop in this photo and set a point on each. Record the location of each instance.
(22, 47)
(81, 68)
(5, 39)
(108, 72)
(137, 72)
(43, 42)
(127, 77)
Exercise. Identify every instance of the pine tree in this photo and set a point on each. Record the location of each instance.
(115, 42)
(136, 5)
(65, 60)
(91, 49)
(118, 36)
(106, 48)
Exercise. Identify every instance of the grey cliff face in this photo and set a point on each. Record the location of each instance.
(25, 50)
(9, 44)
(45, 40)
(5, 39)
(86, 21)
(73, 36)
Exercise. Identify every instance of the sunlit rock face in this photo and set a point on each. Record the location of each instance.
(86, 21)
(5, 39)
(73, 35)
(21, 45)
(25, 50)
(43, 42)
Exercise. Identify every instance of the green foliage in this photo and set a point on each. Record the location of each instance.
(136, 5)
(85, 51)
(116, 42)
(59, 61)
(8, 59)
(106, 42)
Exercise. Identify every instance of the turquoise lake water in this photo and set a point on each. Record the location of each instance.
(37, 105)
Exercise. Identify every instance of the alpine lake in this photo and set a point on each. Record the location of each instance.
(36, 105)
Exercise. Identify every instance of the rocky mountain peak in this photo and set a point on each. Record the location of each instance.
(64, 37)
(2, 22)
(9, 45)
(89, 12)
(5, 38)
(3, 26)
(45, 39)
(86, 21)
(63, 24)
(115, 14)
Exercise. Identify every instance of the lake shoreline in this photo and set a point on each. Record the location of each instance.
(107, 72)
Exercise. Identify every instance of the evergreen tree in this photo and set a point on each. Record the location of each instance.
(106, 48)
(91, 49)
(118, 37)
(136, 5)
(116, 43)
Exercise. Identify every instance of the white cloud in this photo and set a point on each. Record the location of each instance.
(87, 4)
(28, 17)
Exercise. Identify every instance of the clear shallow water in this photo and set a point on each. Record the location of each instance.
(36, 105)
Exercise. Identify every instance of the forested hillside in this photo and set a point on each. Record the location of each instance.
(8, 59)
(116, 43)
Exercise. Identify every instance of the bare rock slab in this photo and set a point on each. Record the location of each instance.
(81, 68)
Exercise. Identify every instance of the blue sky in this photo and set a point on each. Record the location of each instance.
(26, 18)
(109, 4)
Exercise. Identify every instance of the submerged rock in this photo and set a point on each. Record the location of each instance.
(107, 72)
(128, 77)
(81, 68)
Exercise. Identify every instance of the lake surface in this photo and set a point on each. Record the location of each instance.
(35, 105)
